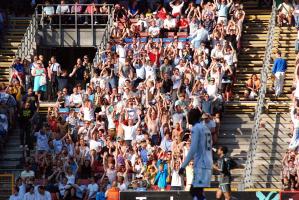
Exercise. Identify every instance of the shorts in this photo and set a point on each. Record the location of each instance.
(225, 187)
(202, 177)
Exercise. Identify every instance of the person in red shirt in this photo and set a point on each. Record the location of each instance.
(154, 53)
(92, 10)
(161, 11)
(183, 24)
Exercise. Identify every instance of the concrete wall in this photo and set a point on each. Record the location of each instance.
(69, 37)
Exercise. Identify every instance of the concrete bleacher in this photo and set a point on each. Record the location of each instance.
(16, 27)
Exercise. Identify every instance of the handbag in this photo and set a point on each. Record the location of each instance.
(42, 81)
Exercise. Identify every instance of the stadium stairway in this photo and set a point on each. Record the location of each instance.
(238, 118)
(12, 38)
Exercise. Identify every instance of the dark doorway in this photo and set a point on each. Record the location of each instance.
(66, 56)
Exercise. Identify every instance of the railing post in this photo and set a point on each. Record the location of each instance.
(92, 28)
(60, 31)
(76, 24)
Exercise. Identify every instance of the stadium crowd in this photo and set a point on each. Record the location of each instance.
(121, 124)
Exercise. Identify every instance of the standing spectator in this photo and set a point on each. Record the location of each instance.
(54, 72)
(113, 192)
(279, 69)
(18, 69)
(40, 80)
(223, 8)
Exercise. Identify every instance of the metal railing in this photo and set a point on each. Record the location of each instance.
(105, 38)
(27, 43)
(247, 176)
(76, 19)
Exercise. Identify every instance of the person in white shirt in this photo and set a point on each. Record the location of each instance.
(130, 130)
(169, 23)
(30, 194)
(27, 172)
(153, 30)
(76, 98)
(47, 14)
(177, 180)
(121, 51)
(92, 188)
(61, 10)
(15, 195)
(42, 194)
(176, 6)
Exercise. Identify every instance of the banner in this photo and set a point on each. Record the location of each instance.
(210, 195)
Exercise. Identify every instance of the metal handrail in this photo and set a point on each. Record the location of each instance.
(105, 38)
(247, 176)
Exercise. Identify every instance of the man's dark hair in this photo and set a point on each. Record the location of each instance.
(194, 116)
(223, 149)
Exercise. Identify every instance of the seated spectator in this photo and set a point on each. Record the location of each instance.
(47, 14)
(76, 9)
(252, 87)
(61, 10)
(91, 10)
(285, 10)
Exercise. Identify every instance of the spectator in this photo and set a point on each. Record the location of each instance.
(252, 87)
(47, 14)
(284, 13)
(279, 69)
(40, 79)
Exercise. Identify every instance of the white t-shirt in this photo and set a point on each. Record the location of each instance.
(76, 98)
(46, 196)
(29, 196)
(150, 72)
(176, 179)
(121, 51)
(140, 71)
(94, 145)
(129, 132)
(93, 189)
(13, 197)
(25, 174)
(153, 30)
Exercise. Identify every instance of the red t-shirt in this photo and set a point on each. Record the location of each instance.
(162, 13)
(154, 57)
(183, 23)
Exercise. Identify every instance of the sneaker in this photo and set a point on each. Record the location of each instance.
(95, 22)
(85, 23)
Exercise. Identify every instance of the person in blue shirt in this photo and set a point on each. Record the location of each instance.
(201, 152)
(279, 69)
(162, 174)
(223, 8)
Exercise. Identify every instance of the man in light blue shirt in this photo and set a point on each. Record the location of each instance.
(223, 8)
(199, 36)
(47, 14)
